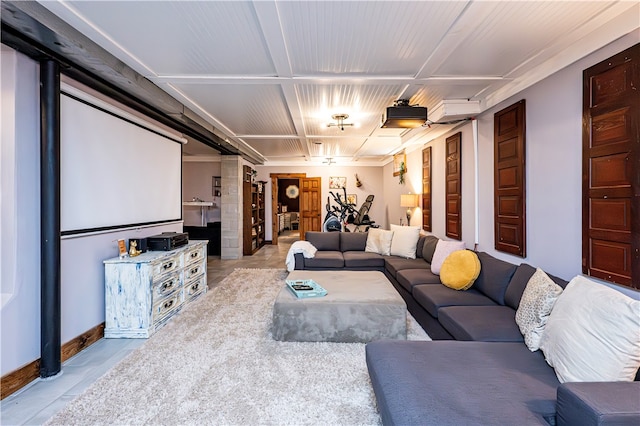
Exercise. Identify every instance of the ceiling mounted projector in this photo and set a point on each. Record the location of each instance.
(402, 115)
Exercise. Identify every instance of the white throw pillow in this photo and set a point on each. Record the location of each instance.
(536, 304)
(444, 249)
(593, 334)
(379, 241)
(404, 241)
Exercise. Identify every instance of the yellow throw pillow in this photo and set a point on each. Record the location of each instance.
(460, 269)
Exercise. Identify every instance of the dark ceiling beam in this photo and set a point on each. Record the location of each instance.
(33, 30)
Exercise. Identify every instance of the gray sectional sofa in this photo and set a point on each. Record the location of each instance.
(483, 373)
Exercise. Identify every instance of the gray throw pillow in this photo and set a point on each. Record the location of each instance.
(429, 247)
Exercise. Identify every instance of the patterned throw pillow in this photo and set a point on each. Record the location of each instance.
(536, 304)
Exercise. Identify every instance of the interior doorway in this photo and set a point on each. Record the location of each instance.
(285, 196)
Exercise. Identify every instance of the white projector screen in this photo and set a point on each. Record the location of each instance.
(114, 173)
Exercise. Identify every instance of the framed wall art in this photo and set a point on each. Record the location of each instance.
(337, 182)
(352, 199)
(399, 164)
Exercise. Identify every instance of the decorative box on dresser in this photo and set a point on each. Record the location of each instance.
(142, 293)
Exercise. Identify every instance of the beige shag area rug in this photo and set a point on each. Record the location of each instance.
(216, 363)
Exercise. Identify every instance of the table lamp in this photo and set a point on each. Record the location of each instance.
(410, 201)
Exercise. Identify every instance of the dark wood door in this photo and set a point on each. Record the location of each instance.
(453, 186)
(611, 169)
(509, 180)
(310, 206)
(426, 189)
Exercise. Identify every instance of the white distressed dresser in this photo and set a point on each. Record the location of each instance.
(142, 293)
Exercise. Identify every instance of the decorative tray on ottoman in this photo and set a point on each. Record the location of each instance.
(306, 288)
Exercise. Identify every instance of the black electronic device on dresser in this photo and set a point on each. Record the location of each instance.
(167, 241)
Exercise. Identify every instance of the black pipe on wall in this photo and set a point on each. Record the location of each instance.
(50, 313)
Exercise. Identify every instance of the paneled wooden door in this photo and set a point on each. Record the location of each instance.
(453, 186)
(509, 180)
(426, 189)
(310, 205)
(611, 169)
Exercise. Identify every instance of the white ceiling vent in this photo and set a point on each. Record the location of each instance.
(454, 109)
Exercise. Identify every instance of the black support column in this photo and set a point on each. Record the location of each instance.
(50, 322)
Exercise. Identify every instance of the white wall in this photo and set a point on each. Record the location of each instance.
(553, 172)
(19, 212)
(82, 271)
(197, 182)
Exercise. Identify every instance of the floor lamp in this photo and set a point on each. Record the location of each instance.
(410, 201)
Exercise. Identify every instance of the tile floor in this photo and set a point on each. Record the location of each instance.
(37, 402)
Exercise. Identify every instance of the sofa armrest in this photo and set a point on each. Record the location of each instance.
(299, 258)
(601, 403)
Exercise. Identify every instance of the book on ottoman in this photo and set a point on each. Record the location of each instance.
(306, 288)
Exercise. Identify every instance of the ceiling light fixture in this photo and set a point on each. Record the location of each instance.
(329, 161)
(340, 121)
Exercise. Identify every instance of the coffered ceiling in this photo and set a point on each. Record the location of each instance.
(268, 75)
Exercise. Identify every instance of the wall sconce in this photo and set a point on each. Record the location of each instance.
(410, 201)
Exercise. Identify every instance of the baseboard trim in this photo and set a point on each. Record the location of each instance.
(21, 377)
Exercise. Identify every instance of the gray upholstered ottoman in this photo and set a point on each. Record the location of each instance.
(360, 306)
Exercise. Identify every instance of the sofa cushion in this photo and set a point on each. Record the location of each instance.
(444, 249)
(461, 383)
(494, 277)
(429, 247)
(516, 286)
(420, 245)
(379, 241)
(519, 281)
(324, 241)
(434, 297)
(604, 403)
(353, 241)
(363, 259)
(408, 278)
(395, 264)
(460, 269)
(404, 241)
(535, 307)
(325, 259)
(592, 334)
(480, 323)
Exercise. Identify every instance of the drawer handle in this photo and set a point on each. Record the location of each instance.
(194, 254)
(168, 304)
(194, 271)
(167, 285)
(168, 265)
(195, 286)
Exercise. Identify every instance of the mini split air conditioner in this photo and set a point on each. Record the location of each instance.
(402, 115)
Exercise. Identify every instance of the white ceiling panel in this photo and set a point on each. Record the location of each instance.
(271, 73)
(184, 37)
(364, 103)
(380, 146)
(244, 109)
(372, 38)
(334, 147)
(277, 148)
(513, 32)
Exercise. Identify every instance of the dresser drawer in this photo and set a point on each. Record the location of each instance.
(193, 270)
(165, 266)
(194, 255)
(166, 285)
(167, 306)
(195, 288)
